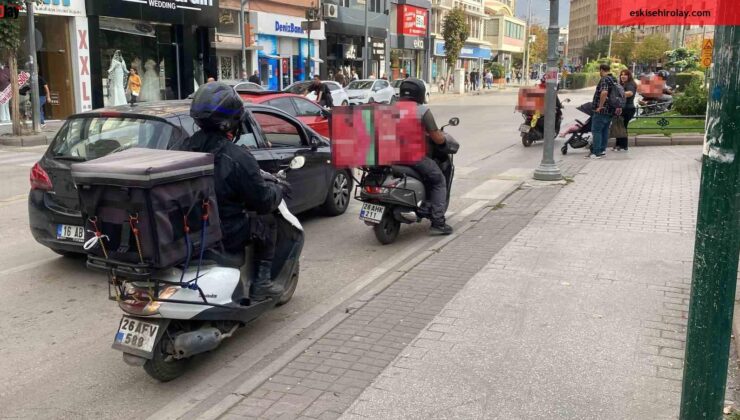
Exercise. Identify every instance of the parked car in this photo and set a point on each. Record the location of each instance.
(338, 94)
(273, 137)
(239, 87)
(308, 111)
(367, 90)
(397, 85)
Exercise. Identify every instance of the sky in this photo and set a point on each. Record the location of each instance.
(539, 12)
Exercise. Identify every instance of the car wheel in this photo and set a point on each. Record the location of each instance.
(337, 198)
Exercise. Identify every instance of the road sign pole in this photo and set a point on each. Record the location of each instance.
(717, 239)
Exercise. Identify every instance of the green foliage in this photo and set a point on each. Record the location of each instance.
(651, 49)
(455, 32)
(10, 31)
(593, 66)
(623, 47)
(683, 80)
(538, 49)
(497, 70)
(683, 59)
(693, 101)
(583, 80)
(596, 49)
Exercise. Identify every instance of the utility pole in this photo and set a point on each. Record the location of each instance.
(717, 237)
(527, 43)
(366, 50)
(243, 36)
(609, 52)
(548, 170)
(35, 104)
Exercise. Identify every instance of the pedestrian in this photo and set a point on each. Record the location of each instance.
(255, 77)
(489, 79)
(508, 77)
(43, 94)
(467, 81)
(134, 85)
(323, 96)
(339, 78)
(603, 113)
(441, 83)
(630, 90)
(519, 77)
(354, 76)
(372, 76)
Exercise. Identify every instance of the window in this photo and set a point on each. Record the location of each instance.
(375, 6)
(228, 22)
(344, 3)
(91, 138)
(248, 138)
(306, 108)
(278, 131)
(283, 104)
(381, 84)
(333, 86)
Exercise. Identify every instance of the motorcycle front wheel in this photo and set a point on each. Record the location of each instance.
(387, 230)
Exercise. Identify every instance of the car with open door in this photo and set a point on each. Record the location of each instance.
(298, 106)
(273, 136)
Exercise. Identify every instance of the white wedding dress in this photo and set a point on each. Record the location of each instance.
(116, 92)
(150, 83)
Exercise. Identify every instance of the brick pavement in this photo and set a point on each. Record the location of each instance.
(324, 381)
(581, 316)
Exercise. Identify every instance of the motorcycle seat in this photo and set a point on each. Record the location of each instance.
(400, 170)
(224, 259)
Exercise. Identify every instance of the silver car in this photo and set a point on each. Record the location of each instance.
(397, 85)
(338, 94)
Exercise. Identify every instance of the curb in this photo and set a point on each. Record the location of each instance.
(661, 140)
(736, 329)
(24, 141)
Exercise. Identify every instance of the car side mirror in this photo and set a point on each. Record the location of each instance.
(315, 143)
(297, 162)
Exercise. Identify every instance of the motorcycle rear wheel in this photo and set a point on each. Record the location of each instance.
(526, 140)
(161, 369)
(387, 230)
(290, 287)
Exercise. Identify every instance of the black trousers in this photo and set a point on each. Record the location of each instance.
(436, 186)
(627, 114)
(261, 231)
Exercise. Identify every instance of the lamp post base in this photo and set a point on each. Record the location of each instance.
(548, 172)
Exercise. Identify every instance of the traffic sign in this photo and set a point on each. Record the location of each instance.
(707, 48)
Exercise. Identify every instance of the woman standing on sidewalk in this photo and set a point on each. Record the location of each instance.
(630, 89)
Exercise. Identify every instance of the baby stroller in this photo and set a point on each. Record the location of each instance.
(579, 132)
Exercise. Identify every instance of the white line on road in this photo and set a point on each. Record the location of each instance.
(28, 266)
(13, 200)
(19, 159)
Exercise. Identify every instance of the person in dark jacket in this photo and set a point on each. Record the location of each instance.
(630, 90)
(240, 188)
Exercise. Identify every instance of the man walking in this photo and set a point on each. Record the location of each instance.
(603, 112)
(255, 78)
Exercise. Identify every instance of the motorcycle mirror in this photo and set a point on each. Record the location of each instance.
(454, 121)
(297, 162)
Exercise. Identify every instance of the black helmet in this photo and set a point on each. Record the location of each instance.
(663, 74)
(413, 89)
(216, 106)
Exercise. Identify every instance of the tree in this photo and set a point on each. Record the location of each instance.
(683, 59)
(623, 47)
(10, 41)
(455, 32)
(538, 49)
(652, 49)
(596, 49)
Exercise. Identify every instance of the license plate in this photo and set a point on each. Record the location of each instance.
(524, 128)
(136, 334)
(69, 232)
(372, 212)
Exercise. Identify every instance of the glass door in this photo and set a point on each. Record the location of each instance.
(169, 63)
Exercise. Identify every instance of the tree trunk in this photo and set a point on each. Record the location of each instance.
(15, 114)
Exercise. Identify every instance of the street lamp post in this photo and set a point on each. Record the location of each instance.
(35, 104)
(242, 23)
(527, 48)
(548, 170)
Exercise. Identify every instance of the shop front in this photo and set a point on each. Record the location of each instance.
(168, 42)
(472, 58)
(284, 49)
(409, 43)
(56, 54)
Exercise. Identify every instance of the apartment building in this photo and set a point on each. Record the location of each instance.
(504, 32)
(582, 28)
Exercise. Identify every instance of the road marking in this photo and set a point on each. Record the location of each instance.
(472, 208)
(28, 266)
(491, 189)
(19, 159)
(464, 170)
(516, 174)
(13, 200)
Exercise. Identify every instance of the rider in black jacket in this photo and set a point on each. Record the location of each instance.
(217, 110)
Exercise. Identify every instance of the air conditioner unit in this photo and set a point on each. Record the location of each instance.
(331, 11)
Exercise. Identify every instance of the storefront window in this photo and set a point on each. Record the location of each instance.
(126, 44)
(228, 22)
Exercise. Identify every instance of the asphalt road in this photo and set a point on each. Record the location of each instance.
(57, 325)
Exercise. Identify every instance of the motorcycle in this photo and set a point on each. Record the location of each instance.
(395, 194)
(533, 128)
(168, 319)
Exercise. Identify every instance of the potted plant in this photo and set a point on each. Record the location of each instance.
(498, 72)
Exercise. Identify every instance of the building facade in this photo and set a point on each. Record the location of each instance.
(504, 32)
(582, 28)
(563, 45)
(476, 49)
(409, 38)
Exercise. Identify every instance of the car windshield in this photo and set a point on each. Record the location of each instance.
(298, 88)
(248, 86)
(360, 85)
(89, 138)
(397, 83)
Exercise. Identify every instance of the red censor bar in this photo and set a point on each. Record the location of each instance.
(668, 12)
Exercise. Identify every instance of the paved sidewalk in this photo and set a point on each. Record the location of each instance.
(581, 315)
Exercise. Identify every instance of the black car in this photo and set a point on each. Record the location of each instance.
(272, 136)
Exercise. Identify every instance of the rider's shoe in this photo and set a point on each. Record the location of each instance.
(440, 229)
(263, 287)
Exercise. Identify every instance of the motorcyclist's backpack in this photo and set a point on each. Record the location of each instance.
(150, 208)
(616, 96)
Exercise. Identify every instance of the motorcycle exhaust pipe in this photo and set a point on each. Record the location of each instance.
(199, 341)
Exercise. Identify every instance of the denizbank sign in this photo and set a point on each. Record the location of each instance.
(281, 25)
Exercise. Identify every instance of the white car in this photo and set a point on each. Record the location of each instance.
(364, 91)
(338, 94)
(397, 85)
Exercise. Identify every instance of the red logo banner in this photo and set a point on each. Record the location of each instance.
(668, 12)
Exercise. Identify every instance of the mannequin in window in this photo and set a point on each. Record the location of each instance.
(150, 82)
(116, 74)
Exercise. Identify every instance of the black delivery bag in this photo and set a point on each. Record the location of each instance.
(148, 207)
